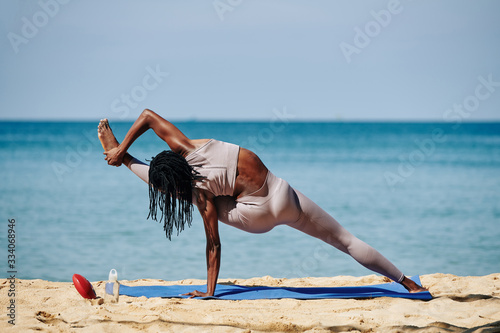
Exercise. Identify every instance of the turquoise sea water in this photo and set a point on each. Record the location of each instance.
(426, 195)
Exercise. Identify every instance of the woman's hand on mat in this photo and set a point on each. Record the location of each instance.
(197, 293)
(114, 156)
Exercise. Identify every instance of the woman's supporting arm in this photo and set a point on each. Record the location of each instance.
(213, 250)
(148, 119)
(208, 212)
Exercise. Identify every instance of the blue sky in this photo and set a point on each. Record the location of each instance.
(242, 59)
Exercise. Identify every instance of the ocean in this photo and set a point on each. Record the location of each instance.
(426, 195)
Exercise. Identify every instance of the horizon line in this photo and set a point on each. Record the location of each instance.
(258, 120)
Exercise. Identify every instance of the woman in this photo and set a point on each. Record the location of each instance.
(230, 184)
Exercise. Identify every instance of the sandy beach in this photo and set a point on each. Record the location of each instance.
(460, 304)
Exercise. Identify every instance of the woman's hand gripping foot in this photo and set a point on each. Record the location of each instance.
(108, 141)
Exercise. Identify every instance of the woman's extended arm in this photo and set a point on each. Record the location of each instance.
(175, 139)
(208, 212)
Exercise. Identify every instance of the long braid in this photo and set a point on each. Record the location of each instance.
(170, 188)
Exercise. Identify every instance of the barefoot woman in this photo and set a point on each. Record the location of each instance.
(229, 184)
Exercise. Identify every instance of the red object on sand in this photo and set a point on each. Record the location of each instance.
(84, 287)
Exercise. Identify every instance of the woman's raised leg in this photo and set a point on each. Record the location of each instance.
(108, 141)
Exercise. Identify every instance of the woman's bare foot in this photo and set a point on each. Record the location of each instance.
(106, 136)
(411, 286)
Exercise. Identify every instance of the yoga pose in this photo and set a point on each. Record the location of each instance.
(230, 184)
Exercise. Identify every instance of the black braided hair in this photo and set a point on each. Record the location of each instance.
(170, 188)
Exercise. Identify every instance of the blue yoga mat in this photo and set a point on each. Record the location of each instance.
(236, 292)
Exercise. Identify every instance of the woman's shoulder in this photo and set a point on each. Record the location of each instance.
(197, 143)
(192, 146)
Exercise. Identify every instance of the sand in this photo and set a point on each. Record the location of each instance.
(460, 304)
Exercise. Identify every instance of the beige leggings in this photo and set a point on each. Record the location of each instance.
(275, 203)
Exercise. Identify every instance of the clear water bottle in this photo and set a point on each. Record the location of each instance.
(113, 281)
